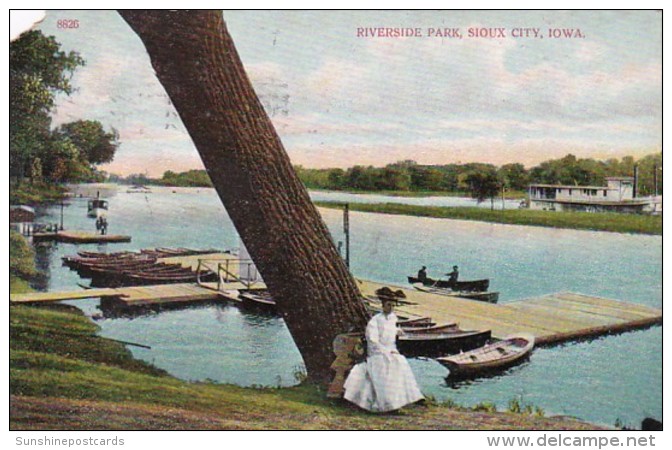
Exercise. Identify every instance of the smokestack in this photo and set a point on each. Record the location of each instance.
(634, 185)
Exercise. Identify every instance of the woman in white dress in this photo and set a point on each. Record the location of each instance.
(384, 382)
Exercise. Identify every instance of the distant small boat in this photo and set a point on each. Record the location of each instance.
(97, 207)
(464, 286)
(491, 357)
(489, 297)
(138, 189)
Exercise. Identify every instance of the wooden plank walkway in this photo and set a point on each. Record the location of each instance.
(47, 297)
(137, 295)
(551, 319)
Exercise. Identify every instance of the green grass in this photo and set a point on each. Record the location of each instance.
(512, 195)
(619, 223)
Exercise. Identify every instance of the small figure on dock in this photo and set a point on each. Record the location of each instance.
(103, 225)
(422, 274)
(99, 224)
(385, 381)
(453, 276)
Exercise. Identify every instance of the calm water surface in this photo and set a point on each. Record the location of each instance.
(615, 377)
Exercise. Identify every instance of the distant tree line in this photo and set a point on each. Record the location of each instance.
(38, 71)
(484, 180)
(481, 181)
(190, 178)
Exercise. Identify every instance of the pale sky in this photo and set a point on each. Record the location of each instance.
(337, 99)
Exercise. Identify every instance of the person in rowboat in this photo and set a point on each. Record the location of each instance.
(422, 274)
(452, 276)
(385, 381)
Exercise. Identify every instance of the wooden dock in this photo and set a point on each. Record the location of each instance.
(159, 294)
(80, 237)
(551, 318)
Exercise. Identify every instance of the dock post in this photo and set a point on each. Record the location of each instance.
(346, 230)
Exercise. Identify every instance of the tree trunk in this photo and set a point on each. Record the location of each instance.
(196, 62)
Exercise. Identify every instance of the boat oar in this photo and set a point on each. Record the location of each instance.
(135, 344)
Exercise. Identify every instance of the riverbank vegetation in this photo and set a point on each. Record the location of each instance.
(619, 223)
(21, 263)
(477, 180)
(42, 156)
(484, 181)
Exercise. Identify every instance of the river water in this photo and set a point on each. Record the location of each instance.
(603, 380)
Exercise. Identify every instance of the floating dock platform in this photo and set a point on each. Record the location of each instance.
(552, 319)
(160, 294)
(80, 237)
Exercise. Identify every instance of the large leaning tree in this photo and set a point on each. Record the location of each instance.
(196, 61)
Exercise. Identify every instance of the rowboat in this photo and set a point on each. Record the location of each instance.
(138, 189)
(100, 255)
(495, 356)
(436, 344)
(424, 322)
(260, 300)
(449, 327)
(186, 277)
(489, 297)
(464, 286)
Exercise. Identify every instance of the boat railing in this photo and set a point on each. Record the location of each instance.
(229, 271)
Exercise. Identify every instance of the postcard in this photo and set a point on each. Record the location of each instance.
(336, 220)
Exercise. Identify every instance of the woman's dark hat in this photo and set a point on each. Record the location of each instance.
(387, 294)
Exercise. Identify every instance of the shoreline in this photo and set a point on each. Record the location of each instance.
(605, 222)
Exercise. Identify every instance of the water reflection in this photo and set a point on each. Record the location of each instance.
(457, 383)
(43, 258)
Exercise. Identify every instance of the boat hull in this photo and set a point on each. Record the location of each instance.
(436, 344)
(465, 286)
(489, 297)
(490, 358)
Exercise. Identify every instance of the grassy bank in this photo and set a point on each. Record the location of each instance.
(619, 223)
(510, 195)
(64, 376)
(35, 193)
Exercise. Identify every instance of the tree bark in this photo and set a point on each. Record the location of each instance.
(196, 62)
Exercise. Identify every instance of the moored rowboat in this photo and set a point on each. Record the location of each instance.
(489, 297)
(258, 300)
(498, 355)
(447, 343)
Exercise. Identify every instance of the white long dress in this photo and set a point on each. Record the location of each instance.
(385, 381)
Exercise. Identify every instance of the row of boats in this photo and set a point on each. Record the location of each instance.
(137, 268)
(466, 353)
